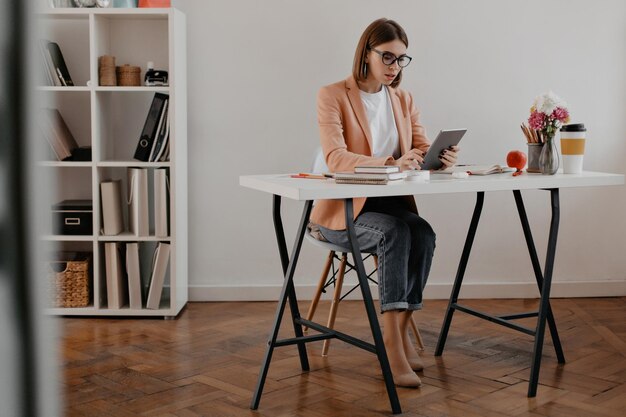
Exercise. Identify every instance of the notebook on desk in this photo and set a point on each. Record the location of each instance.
(368, 178)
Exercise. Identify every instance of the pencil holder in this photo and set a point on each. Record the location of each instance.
(534, 151)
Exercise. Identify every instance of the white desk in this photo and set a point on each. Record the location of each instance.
(311, 189)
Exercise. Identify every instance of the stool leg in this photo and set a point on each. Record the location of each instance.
(416, 332)
(336, 300)
(320, 288)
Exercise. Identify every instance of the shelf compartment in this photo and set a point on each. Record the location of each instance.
(121, 173)
(75, 109)
(146, 256)
(71, 33)
(80, 178)
(118, 125)
(125, 36)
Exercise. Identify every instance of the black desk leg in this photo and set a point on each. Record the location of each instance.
(284, 259)
(371, 311)
(544, 305)
(288, 291)
(454, 297)
(556, 341)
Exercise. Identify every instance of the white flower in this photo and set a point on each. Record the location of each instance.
(547, 102)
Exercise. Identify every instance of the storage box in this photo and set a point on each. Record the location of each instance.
(68, 279)
(72, 217)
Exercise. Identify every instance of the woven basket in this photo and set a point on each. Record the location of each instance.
(70, 286)
(128, 75)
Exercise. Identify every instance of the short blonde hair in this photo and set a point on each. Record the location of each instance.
(378, 32)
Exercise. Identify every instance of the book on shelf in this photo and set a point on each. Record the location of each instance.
(151, 127)
(385, 169)
(111, 196)
(58, 64)
(117, 287)
(139, 221)
(161, 202)
(160, 263)
(368, 178)
(60, 137)
(133, 270)
(58, 134)
(50, 75)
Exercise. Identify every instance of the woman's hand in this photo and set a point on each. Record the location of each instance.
(449, 156)
(410, 160)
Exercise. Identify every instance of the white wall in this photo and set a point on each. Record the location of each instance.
(255, 68)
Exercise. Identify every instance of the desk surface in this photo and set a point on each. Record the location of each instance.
(313, 189)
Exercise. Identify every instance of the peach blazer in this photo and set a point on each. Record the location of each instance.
(347, 142)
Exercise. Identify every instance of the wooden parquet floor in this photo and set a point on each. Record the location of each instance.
(206, 362)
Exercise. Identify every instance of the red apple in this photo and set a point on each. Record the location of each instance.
(517, 160)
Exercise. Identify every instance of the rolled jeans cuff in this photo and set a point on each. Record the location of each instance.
(413, 307)
(401, 305)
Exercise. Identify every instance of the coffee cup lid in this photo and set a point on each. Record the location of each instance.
(574, 127)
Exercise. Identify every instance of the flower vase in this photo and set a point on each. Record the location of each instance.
(549, 158)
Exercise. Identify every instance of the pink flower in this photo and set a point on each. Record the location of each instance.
(536, 120)
(561, 114)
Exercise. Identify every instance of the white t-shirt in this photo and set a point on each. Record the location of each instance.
(379, 112)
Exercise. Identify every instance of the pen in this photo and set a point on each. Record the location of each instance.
(309, 176)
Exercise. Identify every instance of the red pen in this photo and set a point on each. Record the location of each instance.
(308, 176)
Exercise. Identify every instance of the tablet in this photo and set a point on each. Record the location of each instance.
(444, 140)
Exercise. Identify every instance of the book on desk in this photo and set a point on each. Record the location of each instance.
(368, 178)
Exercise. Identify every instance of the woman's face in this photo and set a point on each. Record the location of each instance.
(377, 70)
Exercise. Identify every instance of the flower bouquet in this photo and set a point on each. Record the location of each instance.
(547, 114)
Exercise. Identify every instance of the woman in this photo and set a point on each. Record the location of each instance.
(367, 120)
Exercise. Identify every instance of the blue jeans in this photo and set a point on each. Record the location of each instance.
(404, 244)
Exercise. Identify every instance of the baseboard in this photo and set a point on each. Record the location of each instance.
(433, 291)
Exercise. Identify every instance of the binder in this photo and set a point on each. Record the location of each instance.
(112, 219)
(160, 263)
(59, 64)
(115, 278)
(150, 127)
(134, 275)
(161, 133)
(161, 202)
(138, 201)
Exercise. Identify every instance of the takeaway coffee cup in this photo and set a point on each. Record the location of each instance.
(573, 147)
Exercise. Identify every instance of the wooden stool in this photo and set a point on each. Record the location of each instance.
(337, 279)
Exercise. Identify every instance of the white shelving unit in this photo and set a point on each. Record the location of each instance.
(110, 120)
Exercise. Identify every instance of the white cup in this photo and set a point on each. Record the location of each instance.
(573, 138)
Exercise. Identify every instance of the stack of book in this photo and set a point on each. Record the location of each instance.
(153, 143)
(377, 175)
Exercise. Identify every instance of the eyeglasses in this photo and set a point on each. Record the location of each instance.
(389, 58)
